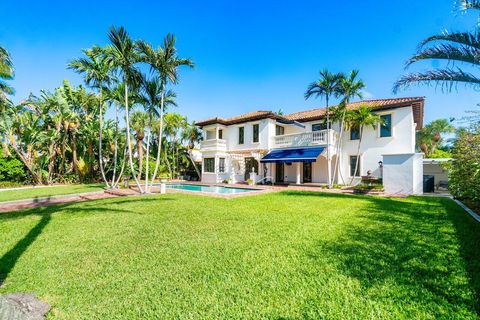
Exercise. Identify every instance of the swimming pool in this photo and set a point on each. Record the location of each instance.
(210, 189)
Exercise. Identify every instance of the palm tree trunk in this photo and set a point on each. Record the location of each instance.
(140, 158)
(100, 137)
(329, 160)
(339, 144)
(358, 155)
(157, 163)
(74, 152)
(193, 163)
(122, 168)
(130, 156)
(115, 149)
(147, 171)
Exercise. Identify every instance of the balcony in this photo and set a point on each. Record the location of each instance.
(304, 139)
(213, 145)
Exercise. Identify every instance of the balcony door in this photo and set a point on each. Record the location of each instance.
(279, 172)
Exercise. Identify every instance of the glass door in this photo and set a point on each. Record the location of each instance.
(307, 172)
(279, 172)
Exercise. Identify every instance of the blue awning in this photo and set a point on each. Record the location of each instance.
(293, 155)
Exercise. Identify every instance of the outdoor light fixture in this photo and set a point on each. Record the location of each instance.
(380, 164)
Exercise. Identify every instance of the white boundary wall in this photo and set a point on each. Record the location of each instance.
(403, 174)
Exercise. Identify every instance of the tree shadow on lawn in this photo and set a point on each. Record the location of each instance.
(412, 245)
(10, 258)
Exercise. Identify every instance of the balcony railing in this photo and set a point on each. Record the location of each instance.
(213, 145)
(303, 139)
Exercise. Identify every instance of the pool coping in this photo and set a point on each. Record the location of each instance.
(258, 189)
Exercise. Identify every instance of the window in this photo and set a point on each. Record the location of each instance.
(279, 130)
(386, 126)
(319, 126)
(354, 134)
(241, 135)
(220, 134)
(209, 165)
(256, 128)
(210, 134)
(353, 163)
(221, 165)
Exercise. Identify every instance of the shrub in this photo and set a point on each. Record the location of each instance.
(12, 169)
(464, 174)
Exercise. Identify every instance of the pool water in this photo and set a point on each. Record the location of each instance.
(210, 189)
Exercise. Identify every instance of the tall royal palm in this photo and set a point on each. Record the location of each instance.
(458, 48)
(97, 74)
(165, 62)
(359, 118)
(6, 73)
(349, 87)
(326, 86)
(151, 99)
(122, 55)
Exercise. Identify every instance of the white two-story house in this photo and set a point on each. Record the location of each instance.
(293, 148)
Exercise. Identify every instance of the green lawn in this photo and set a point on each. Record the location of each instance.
(287, 255)
(29, 193)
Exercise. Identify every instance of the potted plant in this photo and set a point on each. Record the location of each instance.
(250, 182)
(163, 178)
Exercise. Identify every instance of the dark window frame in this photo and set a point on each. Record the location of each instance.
(241, 135)
(386, 127)
(278, 129)
(220, 133)
(207, 166)
(352, 161)
(256, 133)
(354, 134)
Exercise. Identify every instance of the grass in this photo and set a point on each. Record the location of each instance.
(38, 192)
(289, 255)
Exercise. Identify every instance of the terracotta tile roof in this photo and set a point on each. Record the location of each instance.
(316, 114)
(250, 116)
(378, 104)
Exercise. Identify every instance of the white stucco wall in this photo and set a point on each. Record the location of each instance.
(372, 150)
(403, 174)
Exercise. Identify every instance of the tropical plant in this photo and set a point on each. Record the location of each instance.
(455, 47)
(140, 123)
(464, 173)
(6, 73)
(151, 98)
(358, 119)
(327, 86)
(122, 55)
(430, 137)
(97, 74)
(193, 135)
(349, 87)
(165, 62)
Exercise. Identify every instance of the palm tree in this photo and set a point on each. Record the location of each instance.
(6, 73)
(349, 87)
(457, 48)
(150, 97)
(174, 123)
(430, 137)
(192, 135)
(122, 55)
(97, 74)
(140, 122)
(165, 62)
(360, 118)
(327, 86)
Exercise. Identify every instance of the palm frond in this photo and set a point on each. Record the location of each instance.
(449, 52)
(446, 79)
(462, 38)
(469, 4)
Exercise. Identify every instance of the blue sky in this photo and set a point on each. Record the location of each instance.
(249, 55)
